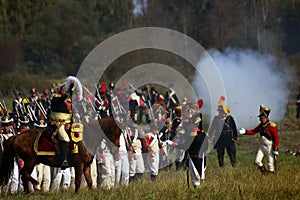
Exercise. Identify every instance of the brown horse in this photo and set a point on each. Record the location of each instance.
(93, 135)
(22, 146)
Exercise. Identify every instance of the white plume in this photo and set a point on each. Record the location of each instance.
(78, 86)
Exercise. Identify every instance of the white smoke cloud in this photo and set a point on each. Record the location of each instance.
(250, 79)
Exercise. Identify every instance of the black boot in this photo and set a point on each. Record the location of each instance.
(64, 150)
(153, 177)
(232, 159)
(138, 176)
(132, 178)
(263, 170)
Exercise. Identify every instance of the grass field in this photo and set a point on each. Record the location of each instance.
(242, 182)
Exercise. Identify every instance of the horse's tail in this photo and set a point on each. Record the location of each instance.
(7, 161)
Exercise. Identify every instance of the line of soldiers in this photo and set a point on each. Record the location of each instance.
(177, 132)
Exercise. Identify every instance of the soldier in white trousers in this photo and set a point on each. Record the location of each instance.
(153, 151)
(136, 163)
(105, 165)
(269, 141)
(122, 161)
(43, 171)
(61, 178)
(43, 177)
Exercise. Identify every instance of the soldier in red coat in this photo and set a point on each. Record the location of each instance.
(269, 140)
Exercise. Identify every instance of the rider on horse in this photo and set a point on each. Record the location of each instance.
(61, 116)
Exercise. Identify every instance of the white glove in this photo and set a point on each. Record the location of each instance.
(242, 131)
(275, 153)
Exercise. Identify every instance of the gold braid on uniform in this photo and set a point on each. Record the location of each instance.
(59, 119)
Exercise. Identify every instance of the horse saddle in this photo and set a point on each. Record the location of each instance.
(44, 145)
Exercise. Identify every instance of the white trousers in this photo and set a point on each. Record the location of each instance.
(136, 164)
(108, 173)
(60, 178)
(122, 169)
(153, 162)
(94, 172)
(265, 150)
(43, 177)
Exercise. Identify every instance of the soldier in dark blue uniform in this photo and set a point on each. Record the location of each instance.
(61, 116)
(198, 149)
(224, 133)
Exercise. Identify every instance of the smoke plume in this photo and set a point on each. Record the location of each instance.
(250, 79)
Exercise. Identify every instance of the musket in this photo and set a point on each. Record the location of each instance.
(89, 100)
(151, 110)
(1, 105)
(40, 107)
(98, 97)
(115, 107)
(121, 109)
(19, 104)
(31, 114)
(17, 111)
(149, 102)
(131, 86)
(4, 108)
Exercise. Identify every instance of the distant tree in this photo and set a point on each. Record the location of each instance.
(11, 57)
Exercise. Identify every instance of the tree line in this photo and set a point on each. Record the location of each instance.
(52, 37)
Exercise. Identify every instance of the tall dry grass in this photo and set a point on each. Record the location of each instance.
(241, 182)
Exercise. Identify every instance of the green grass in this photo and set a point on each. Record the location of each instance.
(242, 182)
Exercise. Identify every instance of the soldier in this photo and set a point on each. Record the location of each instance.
(46, 103)
(61, 115)
(136, 168)
(33, 107)
(144, 108)
(61, 178)
(269, 140)
(224, 133)
(24, 124)
(153, 96)
(18, 107)
(175, 122)
(197, 149)
(105, 165)
(6, 132)
(122, 160)
(134, 102)
(172, 100)
(153, 141)
(43, 171)
(298, 105)
(102, 104)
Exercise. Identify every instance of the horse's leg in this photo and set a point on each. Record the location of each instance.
(26, 175)
(87, 175)
(78, 174)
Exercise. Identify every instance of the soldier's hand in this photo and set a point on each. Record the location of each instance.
(242, 131)
(174, 144)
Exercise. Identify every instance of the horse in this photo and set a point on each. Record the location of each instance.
(111, 129)
(22, 146)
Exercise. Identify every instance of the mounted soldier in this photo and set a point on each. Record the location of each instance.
(61, 116)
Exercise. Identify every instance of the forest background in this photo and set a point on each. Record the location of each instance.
(45, 41)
